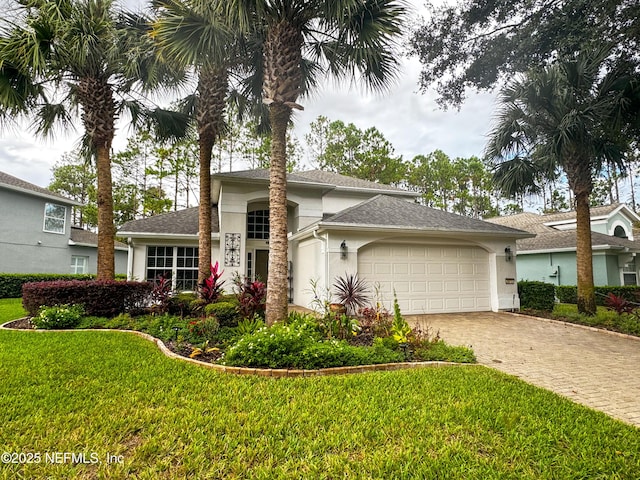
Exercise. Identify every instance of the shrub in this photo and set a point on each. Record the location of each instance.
(204, 329)
(536, 295)
(11, 283)
(180, 304)
(569, 293)
(297, 345)
(225, 312)
(58, 317)
(251, 295)
(161, 293)
(100, 298)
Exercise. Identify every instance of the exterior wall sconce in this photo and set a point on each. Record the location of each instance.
(343, 250)
(508, 254)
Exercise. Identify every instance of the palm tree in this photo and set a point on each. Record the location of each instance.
(345, 37)
(567, 116)
(193, 38)
(81, 54)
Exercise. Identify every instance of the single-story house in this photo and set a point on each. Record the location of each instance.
(435, 261)
(550, 256)
(36, 235)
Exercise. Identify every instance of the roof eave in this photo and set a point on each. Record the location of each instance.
(423, 230)
(66, 201)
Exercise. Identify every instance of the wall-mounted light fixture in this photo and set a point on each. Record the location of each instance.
(344, 250)
(508, 254)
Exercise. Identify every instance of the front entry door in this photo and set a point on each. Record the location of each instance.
(262, 265)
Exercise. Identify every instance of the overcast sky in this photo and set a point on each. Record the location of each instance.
(411, 121)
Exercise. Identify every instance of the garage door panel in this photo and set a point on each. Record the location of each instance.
(401, 268)
(429, 279)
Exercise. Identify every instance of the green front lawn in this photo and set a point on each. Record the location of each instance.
(112, 393)
(11, 309)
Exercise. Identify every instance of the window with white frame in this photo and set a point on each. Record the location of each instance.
(54, 218)
(258, 225)
(176, 263)
(79, 264)
(629, 274)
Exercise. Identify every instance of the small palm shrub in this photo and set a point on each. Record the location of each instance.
(58, 317)
(352, 292)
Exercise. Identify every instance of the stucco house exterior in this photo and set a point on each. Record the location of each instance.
(36, 235)
(435, 261)
(551, 255)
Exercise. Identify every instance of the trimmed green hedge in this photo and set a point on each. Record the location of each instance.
(11, 283)
(537, 295)
(569, 293)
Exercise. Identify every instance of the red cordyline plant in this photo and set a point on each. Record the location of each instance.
(619, 304)
(161, 292)
(251, 295)
(211, 288)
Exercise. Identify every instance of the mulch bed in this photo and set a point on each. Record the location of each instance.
(21, 324)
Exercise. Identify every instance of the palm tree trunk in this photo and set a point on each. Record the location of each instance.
(106, 229)
(584, 256)
(204, 211)
(277, 296)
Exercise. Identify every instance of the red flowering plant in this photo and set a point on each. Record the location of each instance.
(211, 288)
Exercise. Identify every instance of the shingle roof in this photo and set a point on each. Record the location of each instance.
(85, 237)
(549, 238)
(566, 239)
(182, 222)
(384, 211)
(315, 176)
(16, 183)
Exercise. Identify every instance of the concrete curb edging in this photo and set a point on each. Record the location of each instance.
(262, 372)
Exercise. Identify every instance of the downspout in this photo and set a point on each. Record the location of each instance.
(325, 240)
(130, 259)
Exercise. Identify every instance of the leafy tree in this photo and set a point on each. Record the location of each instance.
(347, 150)
(566, 116)
(478, 44)
(341, 38)
(90, 57)
(75, 178)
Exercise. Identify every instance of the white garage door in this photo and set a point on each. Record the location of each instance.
(429, 278)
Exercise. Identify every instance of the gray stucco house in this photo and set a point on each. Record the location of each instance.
(551, 255)
(435, 261)
(36, 235)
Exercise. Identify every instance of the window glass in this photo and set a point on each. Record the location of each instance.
(54, 218)
(79, 264)
(176, 263)
(258, 225)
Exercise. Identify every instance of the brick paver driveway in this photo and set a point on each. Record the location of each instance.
(594, 368)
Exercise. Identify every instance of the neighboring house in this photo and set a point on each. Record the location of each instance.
(433, 260)
(551, 255)
(36, 235)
